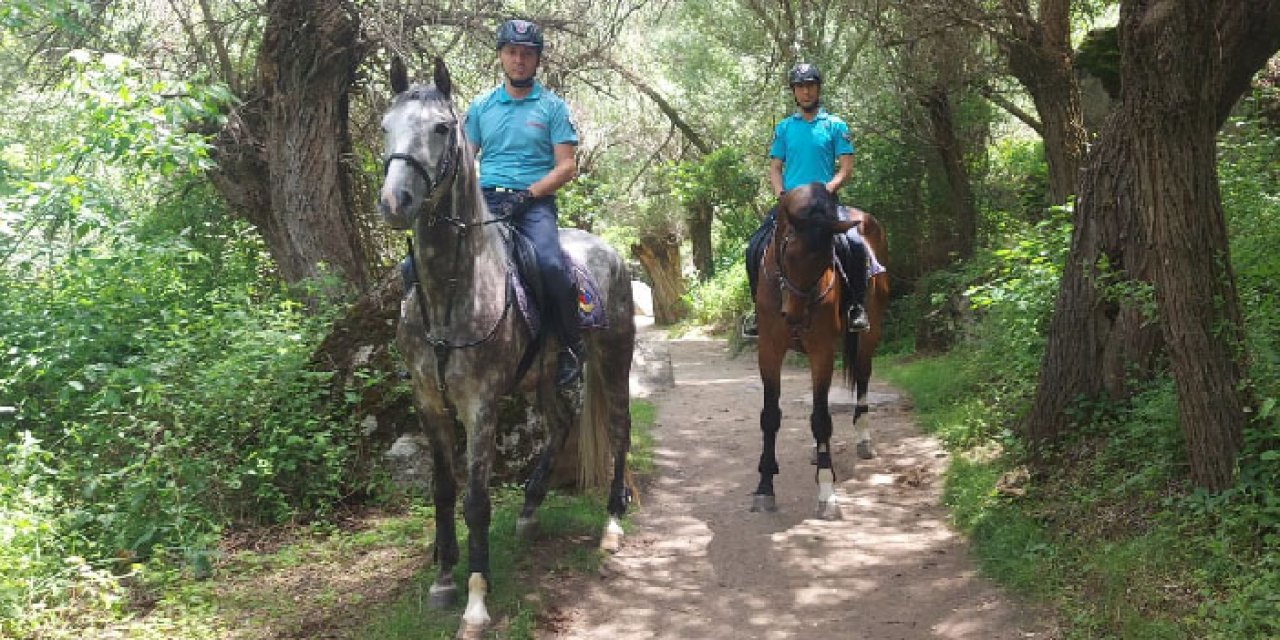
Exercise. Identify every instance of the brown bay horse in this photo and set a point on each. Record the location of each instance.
(798, 308)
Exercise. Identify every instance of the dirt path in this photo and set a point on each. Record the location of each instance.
(699, 565)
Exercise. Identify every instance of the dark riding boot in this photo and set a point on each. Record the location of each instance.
(853, 284)
(573, 350)
(754, 255)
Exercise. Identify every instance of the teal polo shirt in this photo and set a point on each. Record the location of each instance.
(517, 138)
(808, 150)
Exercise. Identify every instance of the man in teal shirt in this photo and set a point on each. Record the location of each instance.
(526, 141)
(811, 145)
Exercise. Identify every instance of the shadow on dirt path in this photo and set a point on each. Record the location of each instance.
(699, 565)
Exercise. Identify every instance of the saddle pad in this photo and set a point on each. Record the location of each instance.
(591, 305)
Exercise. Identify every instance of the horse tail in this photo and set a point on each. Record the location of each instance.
(849, 353)
(595, 453)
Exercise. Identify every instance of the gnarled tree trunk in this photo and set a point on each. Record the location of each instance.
(660, 257)
(283, 160)
(1150, 211)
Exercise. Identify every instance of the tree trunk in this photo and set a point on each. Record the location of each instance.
(699, 219)
(660, 257)
(309, 55)
(1150, 211)
(962, 230)
(1039, 54)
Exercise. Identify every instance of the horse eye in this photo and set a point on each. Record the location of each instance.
(442, 128)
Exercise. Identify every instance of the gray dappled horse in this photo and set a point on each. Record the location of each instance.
(463, 339)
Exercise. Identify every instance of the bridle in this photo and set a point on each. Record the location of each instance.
(446, 174)
(810, 293)
(436, 189)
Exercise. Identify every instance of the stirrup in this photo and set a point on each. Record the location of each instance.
(856, 320)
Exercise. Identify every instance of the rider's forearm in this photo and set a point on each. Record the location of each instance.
(775, 176)
(566, 167)
(842, 173)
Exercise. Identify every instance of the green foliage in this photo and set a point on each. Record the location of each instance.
(152, 388)
(719, 301)
(1112, 533)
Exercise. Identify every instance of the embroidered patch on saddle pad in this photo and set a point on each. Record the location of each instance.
(591, 305)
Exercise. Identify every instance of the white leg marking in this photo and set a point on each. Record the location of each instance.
(826, 485)
(611, 541)
(476, 613)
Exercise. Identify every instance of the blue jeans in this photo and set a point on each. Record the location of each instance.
(538, 223)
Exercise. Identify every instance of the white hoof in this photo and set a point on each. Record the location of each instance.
(470, 631)
(475, 620)
(611, 541)
(829, 510)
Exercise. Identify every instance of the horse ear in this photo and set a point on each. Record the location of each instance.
(399, 76)
(444, 84)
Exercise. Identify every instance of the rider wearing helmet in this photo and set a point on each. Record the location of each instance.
(526, 140)
(811, 145)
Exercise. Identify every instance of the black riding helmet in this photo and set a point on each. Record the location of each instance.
(521, 32)
(802, 73)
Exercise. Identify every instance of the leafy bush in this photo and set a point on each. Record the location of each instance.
(154, 385)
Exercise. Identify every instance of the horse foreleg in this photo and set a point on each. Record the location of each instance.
(443, 593)
(770, 422)
(477, 510)
(820, 425)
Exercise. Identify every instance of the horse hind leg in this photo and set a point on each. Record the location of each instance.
(863, 429)
(609, 401)
(862, 422)
(535, 489)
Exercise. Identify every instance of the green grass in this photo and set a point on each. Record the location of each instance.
(1110, 536)
(569, 527)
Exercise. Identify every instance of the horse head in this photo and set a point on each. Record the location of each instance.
(807, 222)
(423, 146)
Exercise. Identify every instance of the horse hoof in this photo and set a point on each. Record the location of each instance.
(610, 543)
(764, 503)
(829, 510)
(611, 540)
(471, 631)
(442, 597)
(526, 528)
(865, 451)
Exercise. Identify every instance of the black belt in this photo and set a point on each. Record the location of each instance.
(500, 190)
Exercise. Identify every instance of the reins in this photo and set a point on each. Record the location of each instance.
(435, 197)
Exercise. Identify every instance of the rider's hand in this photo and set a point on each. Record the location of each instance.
(518, 203)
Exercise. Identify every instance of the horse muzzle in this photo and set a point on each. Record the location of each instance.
(396, 207)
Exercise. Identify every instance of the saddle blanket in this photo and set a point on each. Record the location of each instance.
(591, 309)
